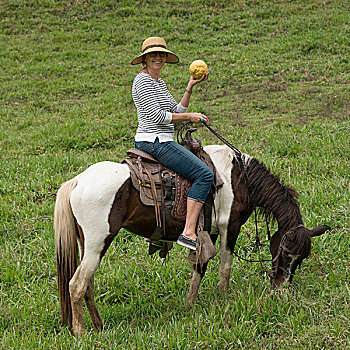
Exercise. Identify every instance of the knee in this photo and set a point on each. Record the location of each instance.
(208, 176)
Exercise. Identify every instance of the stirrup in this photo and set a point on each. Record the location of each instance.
(154, 242)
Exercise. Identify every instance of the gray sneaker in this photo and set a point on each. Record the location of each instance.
(186, 242)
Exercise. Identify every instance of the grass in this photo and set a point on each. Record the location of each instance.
(278, 90)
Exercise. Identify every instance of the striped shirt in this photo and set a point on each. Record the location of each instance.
(155, 106)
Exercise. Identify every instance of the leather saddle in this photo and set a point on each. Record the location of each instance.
(166, 190)
(156, 182)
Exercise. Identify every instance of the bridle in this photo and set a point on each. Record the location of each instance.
(281, 249)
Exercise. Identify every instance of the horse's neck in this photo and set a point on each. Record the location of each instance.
(286, 211)
(275, 198)
(265, 189)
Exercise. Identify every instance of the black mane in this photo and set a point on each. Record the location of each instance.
(267, 192)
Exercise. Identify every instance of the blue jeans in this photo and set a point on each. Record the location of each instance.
(184, 162)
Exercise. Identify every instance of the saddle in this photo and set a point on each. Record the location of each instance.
(166, 190)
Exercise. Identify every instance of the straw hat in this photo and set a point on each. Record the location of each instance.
(155, 44)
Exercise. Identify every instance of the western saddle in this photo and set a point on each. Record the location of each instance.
(167, 191)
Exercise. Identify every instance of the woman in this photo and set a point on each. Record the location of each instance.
(157, 111)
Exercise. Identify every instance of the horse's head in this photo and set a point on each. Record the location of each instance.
(289, 250)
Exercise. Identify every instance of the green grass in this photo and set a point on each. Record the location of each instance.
(279, 90)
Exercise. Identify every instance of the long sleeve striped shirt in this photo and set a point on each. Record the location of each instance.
(155, 106)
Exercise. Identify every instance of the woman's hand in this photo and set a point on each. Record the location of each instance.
(197, 118)
(194, 81)
(185, 101)
(191, 117)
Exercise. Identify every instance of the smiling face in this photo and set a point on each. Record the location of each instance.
(155, 60)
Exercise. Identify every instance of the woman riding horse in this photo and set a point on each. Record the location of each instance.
(92, 207)
(157, 111)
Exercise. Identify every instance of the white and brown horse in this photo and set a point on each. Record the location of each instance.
(92, 208)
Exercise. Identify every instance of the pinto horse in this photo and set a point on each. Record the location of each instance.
(92, 208)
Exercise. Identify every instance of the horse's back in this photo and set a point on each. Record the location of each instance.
(97, 187)
(104, 174)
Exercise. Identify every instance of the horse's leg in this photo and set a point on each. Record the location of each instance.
(197, 277)
(78, 287)
(228, 240)
(91, 305)
(96, 245)
(194, 287)
(225, 260)
(89, 296)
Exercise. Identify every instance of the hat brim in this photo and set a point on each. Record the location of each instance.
(171, 58)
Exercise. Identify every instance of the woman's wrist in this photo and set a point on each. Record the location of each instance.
(189, 87)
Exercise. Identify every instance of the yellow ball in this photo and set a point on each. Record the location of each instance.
(198, 68)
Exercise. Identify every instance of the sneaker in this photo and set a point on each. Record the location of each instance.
(186, 242)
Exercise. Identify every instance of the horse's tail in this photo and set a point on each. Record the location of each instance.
(66, 247)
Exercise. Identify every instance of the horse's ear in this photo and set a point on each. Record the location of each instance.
(319, 230)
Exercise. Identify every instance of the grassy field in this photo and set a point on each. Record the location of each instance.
(279, 90)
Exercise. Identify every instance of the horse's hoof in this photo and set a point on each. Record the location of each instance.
(223, 287)
(190, 301)
(78, 331)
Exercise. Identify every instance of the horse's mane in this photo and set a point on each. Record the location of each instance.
(269, 193)
(266, 190)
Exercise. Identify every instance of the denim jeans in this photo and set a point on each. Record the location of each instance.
(184, 162)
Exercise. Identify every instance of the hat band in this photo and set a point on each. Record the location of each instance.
(150, 46)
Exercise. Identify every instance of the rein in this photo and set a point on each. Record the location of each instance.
(238, 154)
(227, 143)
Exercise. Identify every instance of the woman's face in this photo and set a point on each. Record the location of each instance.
(155, 60)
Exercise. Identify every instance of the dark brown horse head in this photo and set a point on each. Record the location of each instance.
(289, 250)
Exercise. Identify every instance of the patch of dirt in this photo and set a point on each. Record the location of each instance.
(271, 87)
(243, 89)
(335, 107)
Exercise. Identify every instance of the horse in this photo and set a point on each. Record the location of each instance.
(92, 207)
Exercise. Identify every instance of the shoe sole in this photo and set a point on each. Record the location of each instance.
(183, 244)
